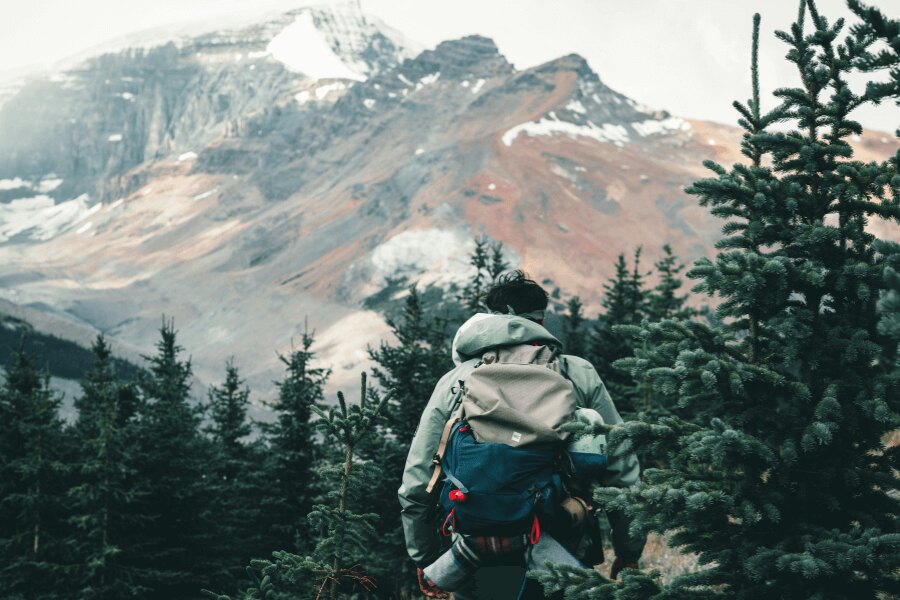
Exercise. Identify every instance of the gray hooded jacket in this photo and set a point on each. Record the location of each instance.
(479, 334)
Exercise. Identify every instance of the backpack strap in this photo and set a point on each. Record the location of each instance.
(455, 414)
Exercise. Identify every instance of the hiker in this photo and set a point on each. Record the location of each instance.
(513, 325)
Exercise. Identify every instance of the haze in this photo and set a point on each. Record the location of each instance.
(690, 57)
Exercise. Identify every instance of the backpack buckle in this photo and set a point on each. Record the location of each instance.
(436, 459)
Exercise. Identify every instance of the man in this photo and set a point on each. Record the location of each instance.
(517, 306)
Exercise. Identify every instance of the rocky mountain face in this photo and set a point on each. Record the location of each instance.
(247, 181)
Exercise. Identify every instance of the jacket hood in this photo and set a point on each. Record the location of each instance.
(485, 331)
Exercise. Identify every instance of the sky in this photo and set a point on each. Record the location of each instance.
(690, 57)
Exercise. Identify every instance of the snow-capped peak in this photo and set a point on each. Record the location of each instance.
(339, 42)
(302, 48)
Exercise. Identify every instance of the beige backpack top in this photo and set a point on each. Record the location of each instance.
(518, 396)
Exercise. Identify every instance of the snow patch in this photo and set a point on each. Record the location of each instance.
(49, 183)
(83, 228)
(420, 151)
(607, 132)
(302, 97)
(127, 96)
(431, 256)
(14, 183)
(301, 48)
(428, 80)
(190, 155)
(369, 103)
(576, 106)
(206, 194)
(323, 90)
(492, 187)
(655, 126)
(41, 218)
(465, 83)
(116, 137)
(404, 79)
(478, 85)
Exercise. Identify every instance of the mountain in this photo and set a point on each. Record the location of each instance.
(252, 180)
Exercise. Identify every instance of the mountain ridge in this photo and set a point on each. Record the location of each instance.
(241, 197)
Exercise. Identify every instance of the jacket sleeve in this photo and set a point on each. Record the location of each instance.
(422, 542)
(623, 469)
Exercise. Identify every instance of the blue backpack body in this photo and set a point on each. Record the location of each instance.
(504, 488)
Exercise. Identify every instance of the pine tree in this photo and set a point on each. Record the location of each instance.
(238, 486)
(624, 303)
(293, 450)
(168, 553)
(100, 501)
(789, 490)
(336, 566)
(410, 369)
(480, 259)
(489, 262)
(664, 301)
(32, 533)
(228, 405)
(572, 330)
(499, 264)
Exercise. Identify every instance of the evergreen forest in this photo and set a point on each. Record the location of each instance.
(760, 387)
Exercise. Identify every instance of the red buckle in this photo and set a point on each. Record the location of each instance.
(457, 496)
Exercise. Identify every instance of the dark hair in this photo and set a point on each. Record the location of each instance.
(514, 289)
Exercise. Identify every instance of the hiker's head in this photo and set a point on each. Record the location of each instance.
(515, 293)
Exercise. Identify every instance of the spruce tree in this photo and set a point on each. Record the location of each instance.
(410, 369)
(624, 303)
(489, 261)
(293, 450)
(336, 567)
(168, 553)
(480, 259)
(228, 405)
(32, 531)
(499, 263)
(664, 301)
(572, 330)
(104, 487)
(238, 485)
(789, 491)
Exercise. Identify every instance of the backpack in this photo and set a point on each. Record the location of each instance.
(504, 448)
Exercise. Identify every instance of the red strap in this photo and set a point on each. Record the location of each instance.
(451, 518)
(535, 531)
